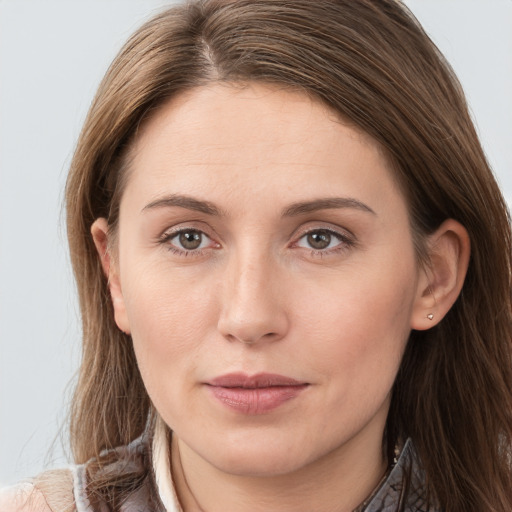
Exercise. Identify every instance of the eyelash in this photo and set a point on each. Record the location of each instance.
(167, 237)
(345, 242)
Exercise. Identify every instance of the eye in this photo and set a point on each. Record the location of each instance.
(189, 240)
(323, 240)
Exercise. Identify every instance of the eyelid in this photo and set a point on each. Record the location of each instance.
(185, 226)
(311, 227)
(170, 233)
(346, 238)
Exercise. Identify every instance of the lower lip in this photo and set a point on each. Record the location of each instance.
(256, 400)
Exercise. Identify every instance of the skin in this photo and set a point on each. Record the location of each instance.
(257, 297)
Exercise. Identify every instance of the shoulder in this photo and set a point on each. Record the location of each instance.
(51, 491)
(23, 498)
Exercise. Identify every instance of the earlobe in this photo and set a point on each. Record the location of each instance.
(441, 281)
(100, 235)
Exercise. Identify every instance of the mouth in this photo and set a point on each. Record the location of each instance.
(257, 394)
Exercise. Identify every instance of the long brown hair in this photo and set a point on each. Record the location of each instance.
(371, 62)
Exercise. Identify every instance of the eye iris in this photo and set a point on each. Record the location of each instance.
(190, 239)
(319, 239)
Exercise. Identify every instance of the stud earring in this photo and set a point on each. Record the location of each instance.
(430, 317)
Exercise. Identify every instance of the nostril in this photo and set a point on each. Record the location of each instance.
(253, 341)
(248, 342)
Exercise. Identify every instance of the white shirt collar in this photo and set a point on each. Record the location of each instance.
(162, 468)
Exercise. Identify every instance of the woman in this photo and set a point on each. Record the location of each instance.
(293, 264)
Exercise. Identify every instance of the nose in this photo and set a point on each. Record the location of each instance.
(253, 301)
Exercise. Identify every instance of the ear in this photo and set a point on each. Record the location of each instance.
(440, 283)
(100, 235)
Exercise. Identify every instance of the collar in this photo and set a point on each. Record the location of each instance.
(162, 467)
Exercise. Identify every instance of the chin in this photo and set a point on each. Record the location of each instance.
(259, 466)
(257, 460)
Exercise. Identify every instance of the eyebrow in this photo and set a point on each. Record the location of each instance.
(305, 207)
(295, 209)
(184, 202)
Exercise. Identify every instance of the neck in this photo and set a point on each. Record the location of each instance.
(338, 482)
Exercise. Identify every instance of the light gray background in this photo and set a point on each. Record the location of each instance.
(52, 56)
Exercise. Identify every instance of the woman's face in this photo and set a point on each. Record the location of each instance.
(265, 270)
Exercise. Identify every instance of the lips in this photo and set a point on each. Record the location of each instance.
(255, 394)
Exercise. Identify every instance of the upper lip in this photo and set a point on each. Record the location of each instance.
(259, 380)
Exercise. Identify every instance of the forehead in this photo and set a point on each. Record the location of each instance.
(225, 138)
(243, 113)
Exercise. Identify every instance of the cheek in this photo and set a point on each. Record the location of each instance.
(169, 321)
(359, 325)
